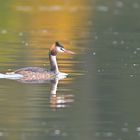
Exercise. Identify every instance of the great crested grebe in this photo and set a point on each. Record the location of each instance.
(37, 73)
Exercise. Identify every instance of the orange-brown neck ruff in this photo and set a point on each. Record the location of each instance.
(53, 50)
(53, 61)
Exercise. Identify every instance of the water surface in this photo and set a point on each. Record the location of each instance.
(100, 98)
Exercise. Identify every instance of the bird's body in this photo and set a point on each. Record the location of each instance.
(37, 73)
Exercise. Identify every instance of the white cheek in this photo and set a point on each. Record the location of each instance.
(59, 50)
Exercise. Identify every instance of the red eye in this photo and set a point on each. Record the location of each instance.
(62, 49)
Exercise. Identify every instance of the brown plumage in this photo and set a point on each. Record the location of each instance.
(35, 73)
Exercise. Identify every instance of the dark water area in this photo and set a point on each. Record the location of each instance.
(100, 98)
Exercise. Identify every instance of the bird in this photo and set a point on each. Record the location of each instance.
(38, 73)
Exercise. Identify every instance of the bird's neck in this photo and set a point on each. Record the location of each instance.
(53, 63)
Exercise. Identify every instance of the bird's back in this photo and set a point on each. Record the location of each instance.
(35, 73)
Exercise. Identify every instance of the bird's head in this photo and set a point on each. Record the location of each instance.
(57, 47)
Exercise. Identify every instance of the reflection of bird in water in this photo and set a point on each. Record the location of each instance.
(37, 73)
(59, 101)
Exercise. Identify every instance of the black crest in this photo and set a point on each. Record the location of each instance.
(58, 44)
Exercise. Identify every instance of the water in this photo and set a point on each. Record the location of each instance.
(100, 98)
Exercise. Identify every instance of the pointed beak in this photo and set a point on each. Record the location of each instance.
(69, 52)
